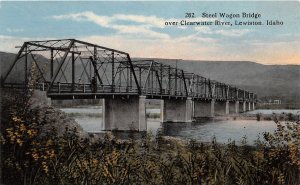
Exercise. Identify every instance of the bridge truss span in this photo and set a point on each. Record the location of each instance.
(72, 68)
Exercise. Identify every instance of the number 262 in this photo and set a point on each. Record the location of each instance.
(189, 15)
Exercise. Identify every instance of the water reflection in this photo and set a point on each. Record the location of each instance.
(223, 130)
(90, 118)
(90, 124)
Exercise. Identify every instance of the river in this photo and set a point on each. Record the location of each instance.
(90, 118)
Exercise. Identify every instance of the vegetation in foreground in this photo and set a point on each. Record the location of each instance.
(30, 155)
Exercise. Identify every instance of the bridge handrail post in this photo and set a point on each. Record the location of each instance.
(58, 87)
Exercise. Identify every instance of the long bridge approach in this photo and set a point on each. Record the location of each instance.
(73, 69)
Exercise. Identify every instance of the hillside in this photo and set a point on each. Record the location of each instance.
(265, 80)
(17, 74)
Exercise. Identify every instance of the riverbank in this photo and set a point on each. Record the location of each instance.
(275, 115)
(278, 106)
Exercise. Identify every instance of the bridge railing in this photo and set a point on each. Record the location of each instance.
(14, 85)
(89, 88)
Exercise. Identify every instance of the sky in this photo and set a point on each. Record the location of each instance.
(139, 28)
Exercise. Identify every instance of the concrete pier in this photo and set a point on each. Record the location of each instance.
(161, 110)
(244, 107)
(253, 106)
(240, 107)
(237, 106)
(204, 108)
(227, 107)
(180, 110)
(221, 108)
(232, 107)
(249, 106)
(121, 113)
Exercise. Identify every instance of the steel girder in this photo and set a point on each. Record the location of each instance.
(73, 67)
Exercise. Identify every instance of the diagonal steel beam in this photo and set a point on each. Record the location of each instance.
(147, 75)
(32, 56)
(61, 64)
(185, 86)
(96, 70)
(134, 75)
(159, 81)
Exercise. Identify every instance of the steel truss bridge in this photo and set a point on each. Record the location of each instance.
(71, 68)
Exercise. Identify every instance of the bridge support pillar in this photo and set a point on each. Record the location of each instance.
(237, 106)
(241, 106)
(249, 106)
(125, 114)
(204, 108)
(232, 107)
(244, 107)
(220, 108)
(189, 112)
(177, 110)
(253, 106)
(227, 107)
(161, 110)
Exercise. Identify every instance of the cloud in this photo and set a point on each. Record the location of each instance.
(86, 16)
(181, 48)
(9, 43)
(143, 29)
(12, 30)
(233, 32)
(205, 30)
(197, 37)
(142, 26)
(230, 32)
(149, 21)
(137, 31)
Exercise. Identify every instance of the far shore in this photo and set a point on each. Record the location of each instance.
(261, 116)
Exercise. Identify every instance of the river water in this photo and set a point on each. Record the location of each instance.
(90, 118)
